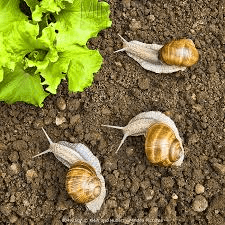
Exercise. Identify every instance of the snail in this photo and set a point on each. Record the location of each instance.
(84, 182)
(163, 145)
(172, 57)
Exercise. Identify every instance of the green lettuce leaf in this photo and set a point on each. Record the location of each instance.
(79, 63)
(10, 13)
(21, 86)
(84, 62)
(54, 73)
(35, 55)
(53, 6)
(80, 21)
(44, 51)
(32, 4)
(5, 58)
(20, 40)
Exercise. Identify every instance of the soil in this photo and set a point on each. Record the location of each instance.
(32, 191)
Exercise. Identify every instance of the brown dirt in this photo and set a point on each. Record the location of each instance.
(33, 192)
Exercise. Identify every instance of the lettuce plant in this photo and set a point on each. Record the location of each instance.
(43, 42)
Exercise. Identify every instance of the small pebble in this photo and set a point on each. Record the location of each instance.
(13, 218)
(30, 174)
(220, 168)
(61, 206)
(153, 214)
(174, 196)
(143, 83)
(3, 146)
(73, 105)
(110, 164)
(170, 213)
(112, 180)
(119, 64)
(106, 111)
(197, 107)
(61, 104)
(129, 151)
(188, 87)
(125, 204)
(217, 211)
(194, 138)
(6, 209)
(223, 67)
(75, 119)
(167, 182)
(199, 189)
(60, 120)
(111, 203)
(127, 183)
(116, 174)
(148, 193)
(135, 185)
(152, 18)
(145, 184)
(119, 212)
(26, 202)
(47, 120)
(12, 198)
(193, 77)
(19, 145)
(126, 3)
(200, 203)
(135, 25)
(14, 156)
(212, 69)
(15, 168)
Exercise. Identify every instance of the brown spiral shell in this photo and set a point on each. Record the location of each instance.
(82, 184)
(161, 145)
(179, 52)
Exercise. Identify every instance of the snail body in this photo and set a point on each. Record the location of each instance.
(84, 182)
(175, 56)
(163, 145)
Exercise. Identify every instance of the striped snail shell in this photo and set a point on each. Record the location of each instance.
(163, 145)
(84, 181)
(175, 56)
(179, 52)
